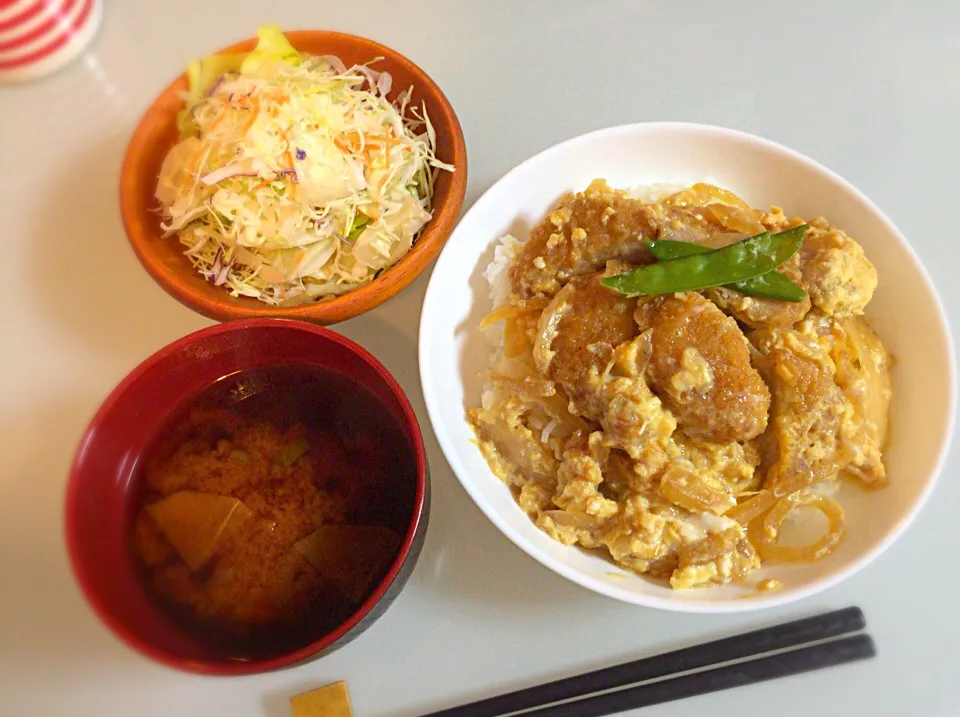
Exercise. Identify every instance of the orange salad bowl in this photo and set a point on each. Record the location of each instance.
(162, 256)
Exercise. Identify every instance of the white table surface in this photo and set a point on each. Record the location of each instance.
(869, 87)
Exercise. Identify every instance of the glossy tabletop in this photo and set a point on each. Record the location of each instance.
(868, 87)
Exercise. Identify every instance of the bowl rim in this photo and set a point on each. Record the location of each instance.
(329, 311)
(148, 649)
(762, 600)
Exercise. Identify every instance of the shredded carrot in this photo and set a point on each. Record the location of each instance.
(292, 184)
(253, 115)
(349, 142)
(220, 115)
(377, 143)
(386, 152)
(372, 144)
(194, 162)
(196, 158)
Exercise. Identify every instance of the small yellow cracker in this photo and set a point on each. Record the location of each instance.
(330, 701)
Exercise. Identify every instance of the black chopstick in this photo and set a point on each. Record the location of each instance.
(790, 634)
(782, 664)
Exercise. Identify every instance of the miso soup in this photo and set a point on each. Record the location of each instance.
(272, 504)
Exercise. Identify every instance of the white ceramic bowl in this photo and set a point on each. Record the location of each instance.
(905, 312)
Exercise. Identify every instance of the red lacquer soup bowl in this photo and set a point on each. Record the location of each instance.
(104, 484)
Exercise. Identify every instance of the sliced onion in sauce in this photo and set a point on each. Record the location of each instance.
(765, 533)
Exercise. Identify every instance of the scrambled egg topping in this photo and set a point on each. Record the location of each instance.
(695, 373)
(660, 430)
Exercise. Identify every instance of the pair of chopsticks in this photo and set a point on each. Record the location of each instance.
(792, 648)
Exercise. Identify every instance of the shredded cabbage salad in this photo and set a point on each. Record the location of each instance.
(295, 177)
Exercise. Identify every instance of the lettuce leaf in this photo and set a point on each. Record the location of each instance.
(201, 74)
(272, 46)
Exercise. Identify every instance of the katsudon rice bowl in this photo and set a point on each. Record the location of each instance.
(688, 390)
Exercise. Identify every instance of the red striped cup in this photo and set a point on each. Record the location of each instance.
(38, 37)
